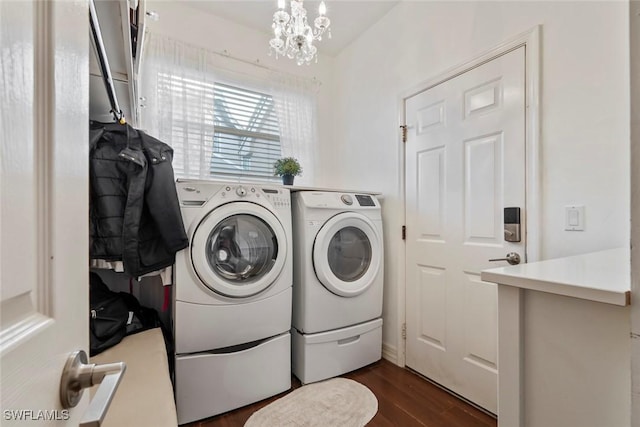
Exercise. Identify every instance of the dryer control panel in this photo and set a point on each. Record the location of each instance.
(364, 200)
(335, 200)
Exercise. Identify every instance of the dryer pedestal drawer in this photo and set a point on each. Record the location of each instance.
(329, 354)
(209, 383)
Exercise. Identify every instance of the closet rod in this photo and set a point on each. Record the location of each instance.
(101, 53)
(155, 39)
(256, 63)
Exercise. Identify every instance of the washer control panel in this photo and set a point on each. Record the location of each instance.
(196, 194)
(277, 197)
(279, 200)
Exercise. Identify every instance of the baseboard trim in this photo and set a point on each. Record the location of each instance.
(390, 353)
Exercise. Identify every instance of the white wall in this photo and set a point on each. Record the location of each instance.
(199, 28)
(585, 104)
(585, 111)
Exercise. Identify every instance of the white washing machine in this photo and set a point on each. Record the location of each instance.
(338, 283)
(233, 294)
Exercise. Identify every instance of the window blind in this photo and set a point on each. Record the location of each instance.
(220, 130)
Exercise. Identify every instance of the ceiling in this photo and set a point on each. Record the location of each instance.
(349, 18)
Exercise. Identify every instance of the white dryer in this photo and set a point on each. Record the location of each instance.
(233, 295)
(338, 283)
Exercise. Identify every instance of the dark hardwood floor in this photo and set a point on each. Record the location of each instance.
(404, 399)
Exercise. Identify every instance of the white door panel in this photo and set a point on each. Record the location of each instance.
(43, 205)
(432, 294)
(465, 162)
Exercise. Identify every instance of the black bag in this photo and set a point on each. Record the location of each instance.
(115, 315)
(108, 316)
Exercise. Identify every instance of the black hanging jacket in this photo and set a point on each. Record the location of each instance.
(134, 211)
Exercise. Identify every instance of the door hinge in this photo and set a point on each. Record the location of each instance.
(404, 331)
(404, 132)
(404, 232)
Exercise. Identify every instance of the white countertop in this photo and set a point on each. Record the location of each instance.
(333, 190)
(291, 188)
(598, 276)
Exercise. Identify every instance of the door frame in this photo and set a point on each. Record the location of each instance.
(530, 40)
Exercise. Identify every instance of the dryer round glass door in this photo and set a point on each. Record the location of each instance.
(347, 254)
(238, 250)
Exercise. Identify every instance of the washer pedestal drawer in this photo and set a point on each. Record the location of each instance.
(329, 354)
(211, 383)
(202, 327)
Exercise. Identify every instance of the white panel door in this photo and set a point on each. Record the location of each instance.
(465, 162)
(43, 205)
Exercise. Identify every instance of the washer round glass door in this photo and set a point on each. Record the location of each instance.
(238, 249)
(347, 254)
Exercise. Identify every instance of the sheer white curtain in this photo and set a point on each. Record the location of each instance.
(177, 84)
(295, 100)
(171, 102)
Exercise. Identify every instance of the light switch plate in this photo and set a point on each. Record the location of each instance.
(574, 218)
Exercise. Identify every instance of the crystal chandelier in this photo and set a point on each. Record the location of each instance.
(293, 35)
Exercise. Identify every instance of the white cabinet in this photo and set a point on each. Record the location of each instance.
(122, 29)
(564, 341)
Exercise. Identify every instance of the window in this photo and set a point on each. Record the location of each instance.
(246, 134)
(219, 130)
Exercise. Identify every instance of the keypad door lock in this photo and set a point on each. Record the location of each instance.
(512, 225)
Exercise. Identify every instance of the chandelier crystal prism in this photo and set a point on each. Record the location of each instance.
(293, 36)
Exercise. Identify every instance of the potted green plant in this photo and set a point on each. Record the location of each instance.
(287, 168)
